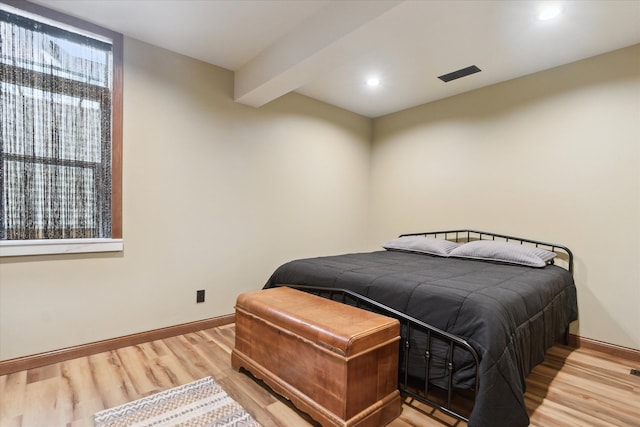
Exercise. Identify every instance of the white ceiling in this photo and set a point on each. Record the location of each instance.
(326, 49)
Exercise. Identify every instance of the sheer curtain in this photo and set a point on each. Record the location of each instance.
(55, 131)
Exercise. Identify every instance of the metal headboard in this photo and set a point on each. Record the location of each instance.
(563, 253)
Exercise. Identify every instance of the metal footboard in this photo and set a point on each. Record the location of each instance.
(412, 329)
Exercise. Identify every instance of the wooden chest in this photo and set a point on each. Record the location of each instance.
(335, 362)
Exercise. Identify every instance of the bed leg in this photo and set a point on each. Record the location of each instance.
(565, 338)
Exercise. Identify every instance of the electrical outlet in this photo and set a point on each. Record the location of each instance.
(200, 296)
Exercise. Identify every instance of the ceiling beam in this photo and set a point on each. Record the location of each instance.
(306, 51)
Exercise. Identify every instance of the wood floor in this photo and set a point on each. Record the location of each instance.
(571, 388)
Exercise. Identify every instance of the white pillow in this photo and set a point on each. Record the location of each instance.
(421, 244)
(505, 252)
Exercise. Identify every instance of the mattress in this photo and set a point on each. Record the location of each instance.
(510, 314)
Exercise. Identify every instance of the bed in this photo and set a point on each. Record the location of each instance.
(475, 319)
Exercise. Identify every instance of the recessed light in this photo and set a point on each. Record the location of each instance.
(373, 81)
(549, 12)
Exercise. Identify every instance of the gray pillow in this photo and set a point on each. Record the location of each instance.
(421, 244)
(513, 253)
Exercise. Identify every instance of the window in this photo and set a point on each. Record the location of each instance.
(60, 134)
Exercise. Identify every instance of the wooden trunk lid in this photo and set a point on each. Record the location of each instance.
(340, 328)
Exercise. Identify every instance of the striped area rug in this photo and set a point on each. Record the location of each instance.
(197, 404)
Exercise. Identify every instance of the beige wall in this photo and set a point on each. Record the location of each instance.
(553, 156)
(216, 195)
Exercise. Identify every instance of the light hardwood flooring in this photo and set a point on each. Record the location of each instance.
(571, 388)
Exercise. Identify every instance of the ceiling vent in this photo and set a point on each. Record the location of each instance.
(459, 73)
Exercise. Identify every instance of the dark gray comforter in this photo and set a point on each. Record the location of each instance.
(510, 314)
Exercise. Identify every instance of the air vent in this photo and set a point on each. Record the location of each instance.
(459, 73)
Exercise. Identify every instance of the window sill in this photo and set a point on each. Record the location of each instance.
(58, 246)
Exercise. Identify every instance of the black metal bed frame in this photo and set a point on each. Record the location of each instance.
(411, 326)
